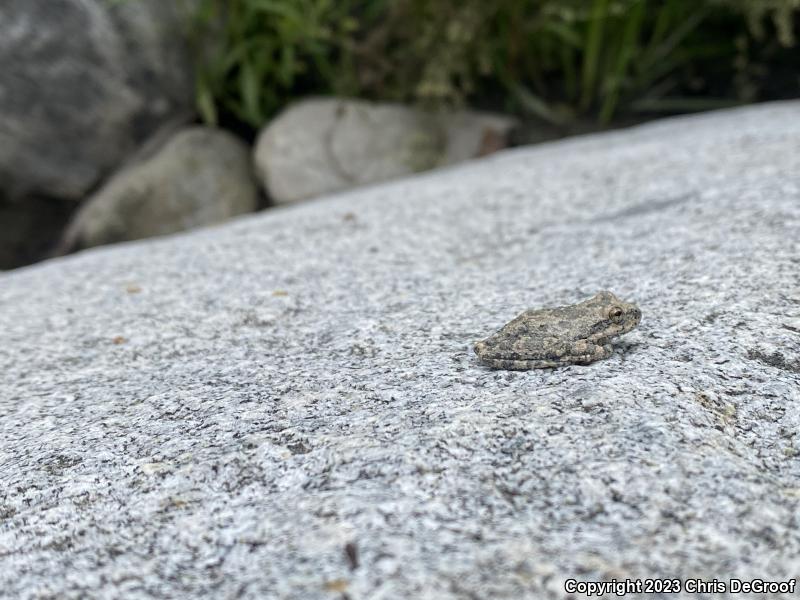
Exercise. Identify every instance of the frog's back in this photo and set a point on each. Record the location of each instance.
(544, 324)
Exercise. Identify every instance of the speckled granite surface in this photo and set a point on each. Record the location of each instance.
(288, 406)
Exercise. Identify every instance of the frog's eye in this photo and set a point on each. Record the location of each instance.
(615, 314)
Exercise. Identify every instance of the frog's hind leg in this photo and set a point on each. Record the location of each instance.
(584, 353)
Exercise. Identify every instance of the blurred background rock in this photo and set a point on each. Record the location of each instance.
(109, 108)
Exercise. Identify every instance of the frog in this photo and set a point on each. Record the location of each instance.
(576, 334)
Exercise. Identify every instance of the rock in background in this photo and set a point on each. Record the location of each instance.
(82, 84)
(198, 177)
(319, 145)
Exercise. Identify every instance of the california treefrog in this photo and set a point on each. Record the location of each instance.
(553, 337)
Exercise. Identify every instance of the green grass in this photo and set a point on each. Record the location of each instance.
(558, 60)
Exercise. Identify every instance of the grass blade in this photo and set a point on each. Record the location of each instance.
(591, 56)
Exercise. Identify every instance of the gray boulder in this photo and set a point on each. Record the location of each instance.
(319, 146)
(200, 176)
(82, 84)
(289, 406)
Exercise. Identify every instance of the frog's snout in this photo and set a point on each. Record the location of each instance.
(633, 316)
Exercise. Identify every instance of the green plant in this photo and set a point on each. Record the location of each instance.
(567, 59)
(603, 53)
(560, 60)
(268, 51)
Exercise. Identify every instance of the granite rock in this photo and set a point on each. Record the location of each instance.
(199, 176)
(288, 406)
(325, 145)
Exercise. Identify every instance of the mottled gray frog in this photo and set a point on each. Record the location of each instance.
(553, 337)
